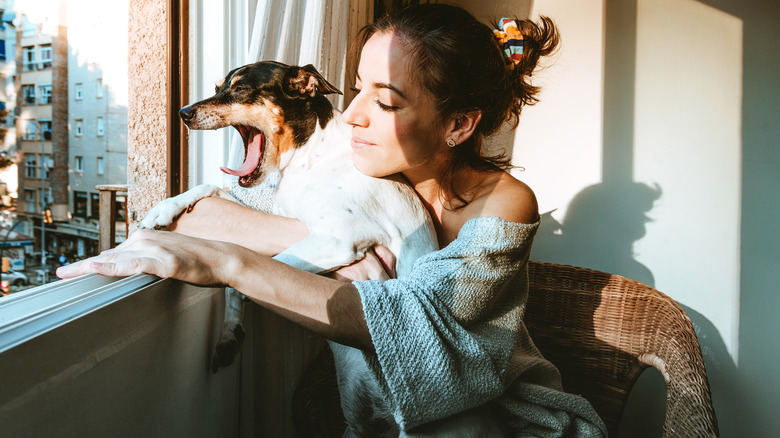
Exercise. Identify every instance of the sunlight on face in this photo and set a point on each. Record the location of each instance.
(395, 124)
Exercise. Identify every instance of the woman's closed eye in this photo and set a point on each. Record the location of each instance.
(377, 101)
(384, 107)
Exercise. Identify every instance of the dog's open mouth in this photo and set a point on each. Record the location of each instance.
(249, 171)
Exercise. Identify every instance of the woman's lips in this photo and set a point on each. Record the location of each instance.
(359, 143)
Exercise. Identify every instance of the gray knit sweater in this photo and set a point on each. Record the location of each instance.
(450, 337)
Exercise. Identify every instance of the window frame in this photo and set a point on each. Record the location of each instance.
(28, 94)
(31, 166)
(45, 61)
(44, 97)
(79, 210)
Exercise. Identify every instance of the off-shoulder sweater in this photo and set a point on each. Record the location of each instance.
(450, 336)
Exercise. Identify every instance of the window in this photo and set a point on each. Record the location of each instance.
(30, 130)
(28, 55)
(79, 91)
(121, 211)
(28, 91)
(100, 127)
(99, 90)
(79, 164)
(80, 204)
(44, 125)
(101, 168)
(29, 200)
(45, 95)
(94, 206)
(46, 56)
(48, 164)
(79, 127)
(30, 166)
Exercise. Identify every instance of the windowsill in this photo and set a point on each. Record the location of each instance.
(30, 313)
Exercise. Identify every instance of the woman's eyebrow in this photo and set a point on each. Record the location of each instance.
(389, 87)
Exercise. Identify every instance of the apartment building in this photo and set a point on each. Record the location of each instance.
(71, 123)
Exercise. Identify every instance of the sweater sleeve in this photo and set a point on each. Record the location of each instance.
(446, 334)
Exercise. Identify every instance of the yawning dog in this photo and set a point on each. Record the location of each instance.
(289, 126)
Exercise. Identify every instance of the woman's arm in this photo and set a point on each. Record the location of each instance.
(219, 219)
(326, 306)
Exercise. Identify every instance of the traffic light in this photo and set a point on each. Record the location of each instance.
(47, 216)
(6, 264)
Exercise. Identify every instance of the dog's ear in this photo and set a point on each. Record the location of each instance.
(307, 80)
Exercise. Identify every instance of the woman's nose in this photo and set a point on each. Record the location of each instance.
(354, 115)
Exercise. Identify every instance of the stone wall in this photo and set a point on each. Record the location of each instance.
(147, 112)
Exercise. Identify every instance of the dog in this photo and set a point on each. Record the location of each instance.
(289, 126)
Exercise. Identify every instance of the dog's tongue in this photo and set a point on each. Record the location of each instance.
(254, 150)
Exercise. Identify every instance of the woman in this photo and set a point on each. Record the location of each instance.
(446, 343)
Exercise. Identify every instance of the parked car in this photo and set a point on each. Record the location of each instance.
(16, 278)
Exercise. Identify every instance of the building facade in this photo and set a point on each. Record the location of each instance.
(71, 123)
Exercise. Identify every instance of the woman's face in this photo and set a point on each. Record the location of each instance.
(395, 124)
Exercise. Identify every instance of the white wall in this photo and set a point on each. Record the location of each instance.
(654, 153)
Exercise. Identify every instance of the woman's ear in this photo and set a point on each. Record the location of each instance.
(462, 127)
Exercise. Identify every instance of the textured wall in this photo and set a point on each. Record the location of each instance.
(147, 106)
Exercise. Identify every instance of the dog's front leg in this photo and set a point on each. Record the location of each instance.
(232, 336)
(320, 253)
(166, 211)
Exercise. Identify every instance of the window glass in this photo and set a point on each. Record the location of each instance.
(80, 204)
(69, 134)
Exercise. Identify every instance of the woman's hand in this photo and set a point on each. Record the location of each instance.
(160, 253)
(378, 264)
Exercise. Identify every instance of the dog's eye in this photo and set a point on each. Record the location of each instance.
(240, 88)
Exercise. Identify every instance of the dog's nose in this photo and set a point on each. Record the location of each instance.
(186, 113)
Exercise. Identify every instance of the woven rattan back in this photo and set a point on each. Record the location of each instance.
(603, 330)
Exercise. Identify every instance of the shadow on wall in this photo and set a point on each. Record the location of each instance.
(599, 229)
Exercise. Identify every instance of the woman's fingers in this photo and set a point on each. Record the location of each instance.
(387, 258)
(378, 264)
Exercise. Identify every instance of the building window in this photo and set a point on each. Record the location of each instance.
(80, 204)
(46, 56)
(94, 206)
(30, 130)
(28, 91)
(30, 165)
(79, 164)
(45, 95)
(101, 167)
(100, 127)
(79, 91)
(28, 54)
(29, 199)
(44, 125)
(48, 164)
(99, 91)
(79, 127)
(121, 210)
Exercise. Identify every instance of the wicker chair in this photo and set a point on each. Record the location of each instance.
(603, 330)
(600, 330)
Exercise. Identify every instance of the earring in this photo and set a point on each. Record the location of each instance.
(451, 143)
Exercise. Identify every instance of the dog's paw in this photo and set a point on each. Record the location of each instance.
(227, 348)
(163, 214)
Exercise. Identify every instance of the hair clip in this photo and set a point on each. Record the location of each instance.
(510, 39)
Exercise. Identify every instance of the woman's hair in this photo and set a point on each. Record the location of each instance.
(458, 60)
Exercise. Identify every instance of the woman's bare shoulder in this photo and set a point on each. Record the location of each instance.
(512, 200)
